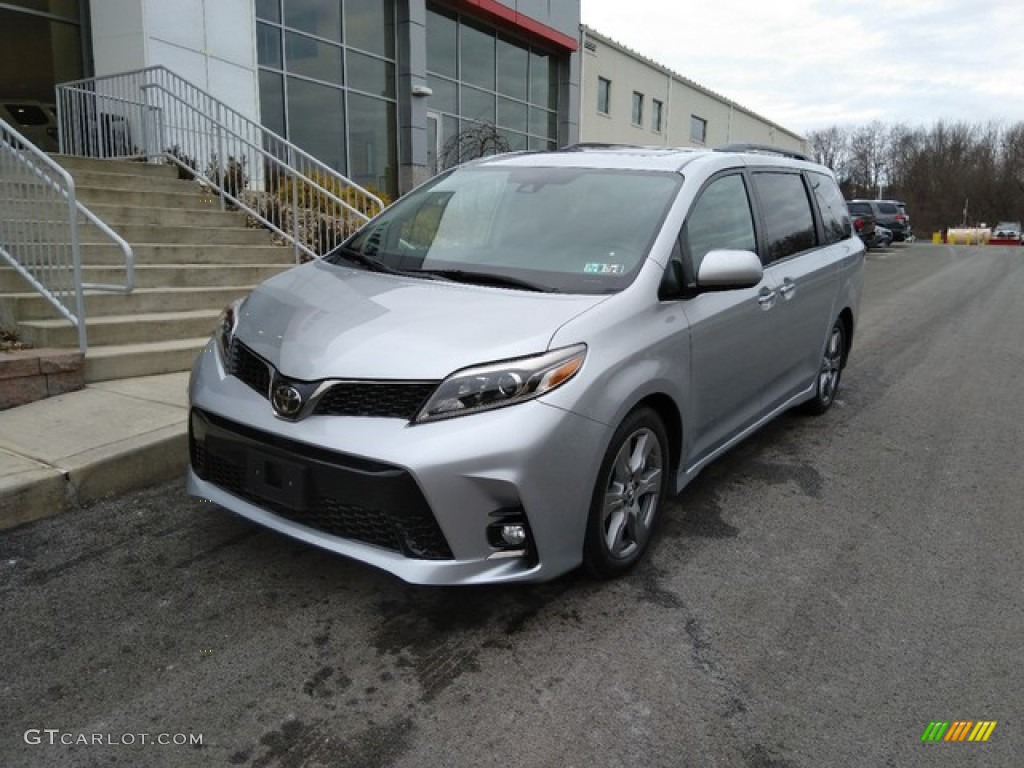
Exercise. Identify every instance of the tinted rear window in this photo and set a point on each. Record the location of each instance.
(859, 208)
(887, 208)
(789, 224)
(833, 209)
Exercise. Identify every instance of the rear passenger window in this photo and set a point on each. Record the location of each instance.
(834, 218)
(789, 225)
(720, 219)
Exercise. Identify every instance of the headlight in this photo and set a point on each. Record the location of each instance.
(496, 385)
(225, 330)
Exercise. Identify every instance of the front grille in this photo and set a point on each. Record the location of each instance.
(397, 400)
(348, 497)
(249, 368)
(381, 399)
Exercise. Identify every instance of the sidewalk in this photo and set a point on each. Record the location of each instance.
(112, 437)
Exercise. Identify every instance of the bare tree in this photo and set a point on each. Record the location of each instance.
(935, 170)
(831, 148)
(476, 140)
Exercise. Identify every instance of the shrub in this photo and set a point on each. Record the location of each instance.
(233, 179)
(319, 221)
(186, 164)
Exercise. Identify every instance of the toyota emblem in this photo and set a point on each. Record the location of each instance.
(287, 400)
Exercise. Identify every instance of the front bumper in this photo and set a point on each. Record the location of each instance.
(416, 501)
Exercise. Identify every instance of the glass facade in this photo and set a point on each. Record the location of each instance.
(328, 83)
(40, 46)
(481, 77)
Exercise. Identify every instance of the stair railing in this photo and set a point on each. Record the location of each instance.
(41, 225)
(154, 115)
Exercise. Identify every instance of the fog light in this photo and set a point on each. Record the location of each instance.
(513, 535)
(509, 534)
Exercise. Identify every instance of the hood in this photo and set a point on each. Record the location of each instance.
(323, 321)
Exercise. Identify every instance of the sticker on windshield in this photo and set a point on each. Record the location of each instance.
(596, 268)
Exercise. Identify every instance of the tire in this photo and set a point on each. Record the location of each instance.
(830, 372)
(630, 489)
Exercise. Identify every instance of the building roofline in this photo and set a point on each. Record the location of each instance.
(502, 15)
(591, 32)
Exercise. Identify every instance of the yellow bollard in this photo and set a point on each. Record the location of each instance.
(936, 238)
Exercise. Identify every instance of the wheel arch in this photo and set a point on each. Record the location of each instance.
(667, 410)
(846, 317)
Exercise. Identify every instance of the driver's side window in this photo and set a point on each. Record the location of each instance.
(720, 219)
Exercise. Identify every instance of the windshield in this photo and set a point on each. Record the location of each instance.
(571, 230)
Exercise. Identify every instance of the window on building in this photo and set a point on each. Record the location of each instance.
(638, 108)
(482, 77)
(604, 96)
(328, 81)
(698, 129)
(656, 108)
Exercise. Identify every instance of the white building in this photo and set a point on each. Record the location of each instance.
(627, 98)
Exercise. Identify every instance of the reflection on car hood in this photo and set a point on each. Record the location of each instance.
(322, 321)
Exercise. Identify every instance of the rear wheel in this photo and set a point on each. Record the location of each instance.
(830, 371)
(630, 487)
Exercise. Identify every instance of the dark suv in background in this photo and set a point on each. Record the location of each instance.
(891, 214)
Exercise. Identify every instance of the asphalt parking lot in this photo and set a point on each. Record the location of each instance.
(816, 598)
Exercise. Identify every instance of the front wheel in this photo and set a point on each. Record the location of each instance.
(830, 371)
(630, 487)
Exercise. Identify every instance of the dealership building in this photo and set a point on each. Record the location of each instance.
(375, 88)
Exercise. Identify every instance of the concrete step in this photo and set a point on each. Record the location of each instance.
(144, 182)
(125, 361)
(122, 329)
(130, 167)
(161, 276)
(54, 231)
(29, 213)
(152, 234)
(32, 306)
(191, 197)
(209, 216)
(96, 255)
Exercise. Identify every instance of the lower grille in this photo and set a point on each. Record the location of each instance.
(370, 502)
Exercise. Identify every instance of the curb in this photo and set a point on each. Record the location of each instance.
(68, 452)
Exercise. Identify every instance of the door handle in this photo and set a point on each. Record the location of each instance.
(766, 298)
(787, 289)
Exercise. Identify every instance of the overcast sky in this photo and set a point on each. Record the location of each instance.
(809, 64)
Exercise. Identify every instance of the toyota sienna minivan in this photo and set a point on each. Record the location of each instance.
(505, 375)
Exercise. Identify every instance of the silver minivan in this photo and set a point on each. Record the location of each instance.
(505, 374)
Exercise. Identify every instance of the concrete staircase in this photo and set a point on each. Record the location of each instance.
(191, 259)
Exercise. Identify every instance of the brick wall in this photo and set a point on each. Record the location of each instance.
(28, 375)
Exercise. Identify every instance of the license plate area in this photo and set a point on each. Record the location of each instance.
(275, 479)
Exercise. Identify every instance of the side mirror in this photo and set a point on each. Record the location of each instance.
(728, 270)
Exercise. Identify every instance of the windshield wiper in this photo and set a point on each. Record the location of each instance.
(487, 278)
(358, 257)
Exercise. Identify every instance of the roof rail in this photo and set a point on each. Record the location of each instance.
(582, 145)
(764, 149)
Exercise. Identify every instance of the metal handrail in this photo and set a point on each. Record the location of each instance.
(39, 229)
(153, 114)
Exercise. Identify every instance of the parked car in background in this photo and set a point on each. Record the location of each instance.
(883, 237)
(503, 375)
(35, 120)
(891, 214)
(1008, 233)
(864, 228)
